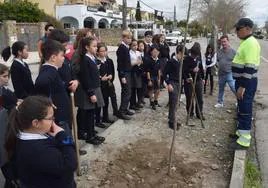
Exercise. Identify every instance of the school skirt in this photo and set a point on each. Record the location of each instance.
(82, 99)
(136, 80)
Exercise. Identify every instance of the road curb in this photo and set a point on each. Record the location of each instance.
(238, 172)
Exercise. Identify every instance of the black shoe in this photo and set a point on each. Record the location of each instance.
(203, 118)
(171, 126)
(143, 102)
(100, 125)
(157, 104)
(107, 121)
(129, 113)
(82, 136)
(139, 105)
(82, 152)
(123, 116)
(153, 106)
(96, 132)
(93, 141)
(100, 138)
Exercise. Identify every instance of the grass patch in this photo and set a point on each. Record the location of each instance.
(252, 175)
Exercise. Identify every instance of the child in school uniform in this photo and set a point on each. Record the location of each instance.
(44, 154)
(124, 73)
(153, 76)
(90, 97)
(211, 60)
(106, 68)
(136, 76)
(171, 76)
(20, 73)
(8, 100)
(49, 83)
(143, 51)
(163, 56)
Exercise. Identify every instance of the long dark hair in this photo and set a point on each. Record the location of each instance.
(82, 51)
(21, 117)
(16, 47)
(145, 46)
(196, 50)
(212, 48)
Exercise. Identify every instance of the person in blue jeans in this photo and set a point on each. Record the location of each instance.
(225, 57)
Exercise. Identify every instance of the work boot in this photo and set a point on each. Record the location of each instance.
(236, 146)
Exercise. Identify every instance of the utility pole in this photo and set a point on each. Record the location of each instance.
(124, 14)
(174, 18)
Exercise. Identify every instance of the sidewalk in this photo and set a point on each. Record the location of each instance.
(261, 123)
(34, 57)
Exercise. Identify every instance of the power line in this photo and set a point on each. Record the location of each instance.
(154, 8)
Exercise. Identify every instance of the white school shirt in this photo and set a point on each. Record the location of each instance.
(134, 57)
(20, 61)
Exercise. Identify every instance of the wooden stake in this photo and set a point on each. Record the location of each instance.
(78, 171)
(171, 151)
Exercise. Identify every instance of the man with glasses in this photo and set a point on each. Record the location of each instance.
(245, 67)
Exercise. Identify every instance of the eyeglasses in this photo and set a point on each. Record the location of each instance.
(52, 119)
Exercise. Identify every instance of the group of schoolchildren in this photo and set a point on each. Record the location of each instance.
(38, 140)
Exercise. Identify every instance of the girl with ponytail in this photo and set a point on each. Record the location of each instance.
(20, 73)
(44, 155)
(88, 97)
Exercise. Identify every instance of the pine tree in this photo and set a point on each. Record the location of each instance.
(138, 12)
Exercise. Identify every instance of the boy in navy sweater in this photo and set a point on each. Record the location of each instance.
(50, 84)
(124, 72)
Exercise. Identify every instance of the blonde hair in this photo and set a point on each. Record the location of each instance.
(126, 33)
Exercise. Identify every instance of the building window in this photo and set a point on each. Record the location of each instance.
(66, 25)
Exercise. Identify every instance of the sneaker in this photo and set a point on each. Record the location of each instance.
(236, 146)
(218, 105)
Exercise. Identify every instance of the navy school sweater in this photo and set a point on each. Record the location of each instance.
(123, 60)
(21, 79)
(50, 84)
(106, 68)
(44, 163)
(172, 71)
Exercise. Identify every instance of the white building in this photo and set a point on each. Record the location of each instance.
(83, 16)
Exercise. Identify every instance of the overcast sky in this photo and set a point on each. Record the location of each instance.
(257, 10)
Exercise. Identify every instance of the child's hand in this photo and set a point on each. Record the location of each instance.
(110, 77)
(150, 83)
(55, 129)
(73, 85)
(93, 99)
(104, 78)
(123, 80)
(196, 69)
(170, 88)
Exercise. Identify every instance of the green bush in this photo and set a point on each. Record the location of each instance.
(25, 11)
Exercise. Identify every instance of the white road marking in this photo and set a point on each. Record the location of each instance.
(266, 60)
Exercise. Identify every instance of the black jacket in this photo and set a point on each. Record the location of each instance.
(8, 99)
(50, 84)
(106, 68)
(44, 163)
(153, 67)
(164, 51)
(123, 60)
(172, 71)
(189, 64)
(21, 79)
(89, 75)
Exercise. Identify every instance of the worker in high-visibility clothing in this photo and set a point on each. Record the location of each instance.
(244, 68)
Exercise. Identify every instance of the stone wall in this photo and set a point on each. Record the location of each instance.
(110, 36)
(30, 33)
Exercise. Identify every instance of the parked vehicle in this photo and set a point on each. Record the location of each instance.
(174, 38)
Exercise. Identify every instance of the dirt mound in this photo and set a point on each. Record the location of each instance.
(145, 164)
